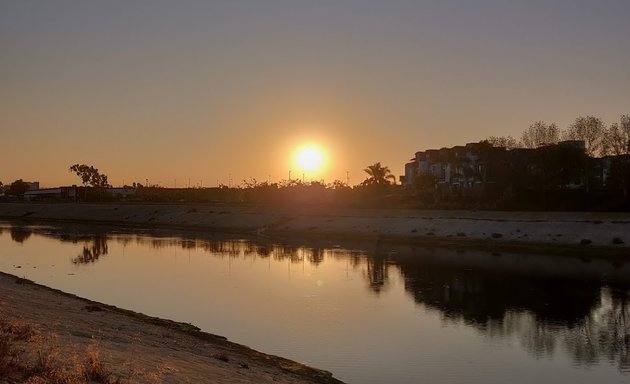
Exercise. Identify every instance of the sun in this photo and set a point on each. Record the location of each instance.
(310, 159)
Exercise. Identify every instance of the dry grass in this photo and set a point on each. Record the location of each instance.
(27, 356)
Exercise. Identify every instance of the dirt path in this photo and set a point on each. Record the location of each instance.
(135, 347)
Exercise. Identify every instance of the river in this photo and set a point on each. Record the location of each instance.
(368, 312)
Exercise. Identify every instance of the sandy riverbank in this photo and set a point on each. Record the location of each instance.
(605, 232)
(67, 330)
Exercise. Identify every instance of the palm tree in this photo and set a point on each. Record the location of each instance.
(379, 175)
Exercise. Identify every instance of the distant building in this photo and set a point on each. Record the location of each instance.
(71, 193)
(59, 193)
(459, 167)
(473, 168)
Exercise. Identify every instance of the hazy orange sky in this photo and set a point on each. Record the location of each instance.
(220, 90)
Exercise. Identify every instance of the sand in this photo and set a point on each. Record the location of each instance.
(138, 348)
(603, 232)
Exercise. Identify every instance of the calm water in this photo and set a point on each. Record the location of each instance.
(369, 313)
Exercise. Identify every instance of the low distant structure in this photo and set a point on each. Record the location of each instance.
(72, 193)
(121, 192)
(59, 193)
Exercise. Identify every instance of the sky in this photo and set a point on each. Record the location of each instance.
(215, 92)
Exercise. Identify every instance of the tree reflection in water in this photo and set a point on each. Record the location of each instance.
(92, 251)
(583, 315)
(20, 234)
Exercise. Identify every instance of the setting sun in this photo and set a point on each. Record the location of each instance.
(310, 159)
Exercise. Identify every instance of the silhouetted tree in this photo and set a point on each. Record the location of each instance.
(540, 134)
(617, 137)
(589, 129)
(378, 175)
(507, 142)
(17, 188)
(90, 175)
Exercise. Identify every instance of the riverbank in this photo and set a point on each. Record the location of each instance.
(606, 233)
(64, 336)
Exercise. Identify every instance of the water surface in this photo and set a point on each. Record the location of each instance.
(368, 312)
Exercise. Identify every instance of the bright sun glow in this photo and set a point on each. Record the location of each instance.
(310, 159)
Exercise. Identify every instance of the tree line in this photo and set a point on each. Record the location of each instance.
(599, 139)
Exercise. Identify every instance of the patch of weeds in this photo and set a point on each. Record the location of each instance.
(38, 362)
(497, 235)
(585, 241)
(243, 365)
(414, 231)
(93, 308)
(18, 330)
(94, 368)
(617, 240)
(461, 234)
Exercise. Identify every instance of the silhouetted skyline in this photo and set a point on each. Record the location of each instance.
(225, 91)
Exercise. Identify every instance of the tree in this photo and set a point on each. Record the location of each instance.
(90, 175)
(378, 175)
(507, 142)
(617, 137)
(17, 188)
(589, 129)
(540, 134)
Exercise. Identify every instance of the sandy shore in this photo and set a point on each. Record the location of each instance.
(605, 232)
(131, 346)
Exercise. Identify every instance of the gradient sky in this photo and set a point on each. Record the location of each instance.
(220, 90)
